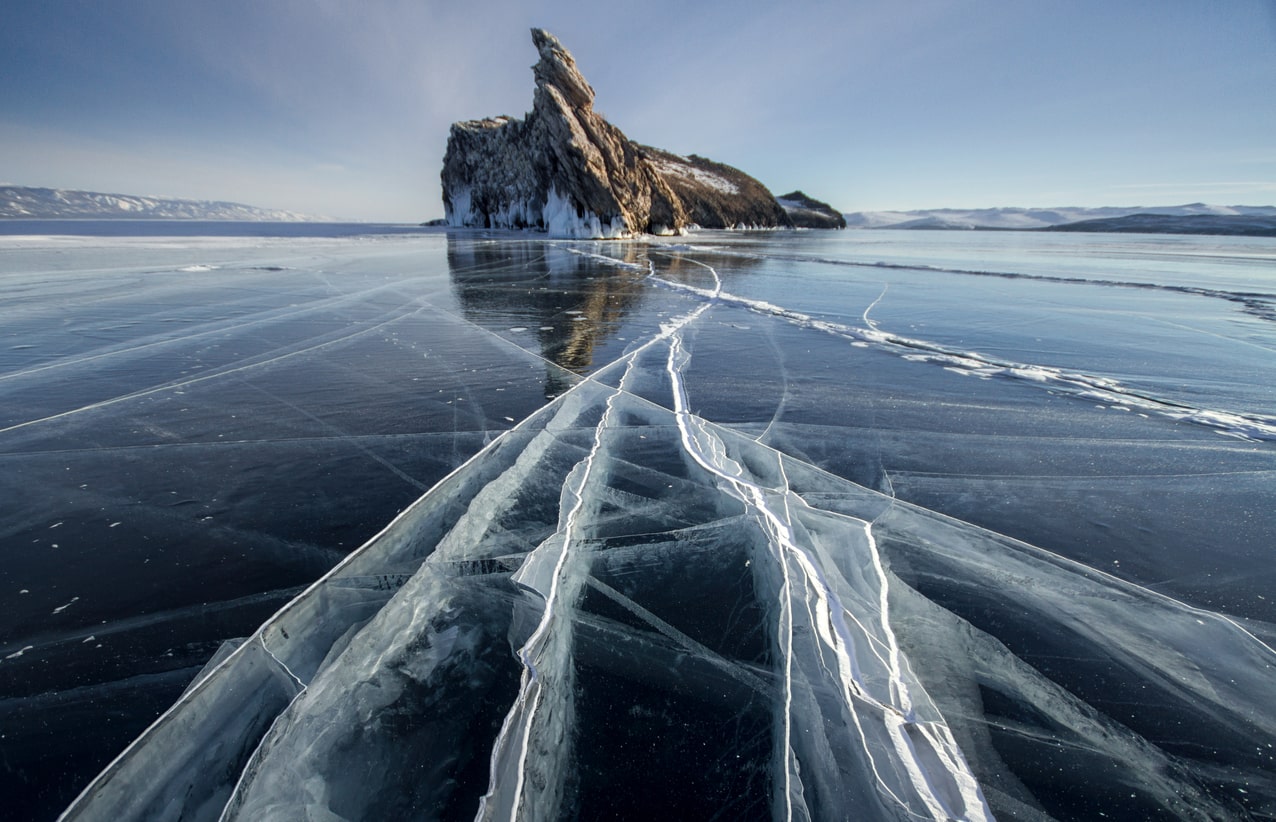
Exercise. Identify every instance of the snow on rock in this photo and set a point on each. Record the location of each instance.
(699, 175)
(717, 195)
(806, 212)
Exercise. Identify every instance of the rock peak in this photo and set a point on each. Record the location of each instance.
(565, 170)
(557, 68)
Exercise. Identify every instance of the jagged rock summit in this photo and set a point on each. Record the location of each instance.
(564, 169)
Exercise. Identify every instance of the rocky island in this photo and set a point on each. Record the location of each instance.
(565, 170)
(807, 212)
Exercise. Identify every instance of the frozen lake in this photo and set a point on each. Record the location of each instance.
(764, 525)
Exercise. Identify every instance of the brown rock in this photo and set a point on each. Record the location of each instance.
(566, 170)
(717, 195)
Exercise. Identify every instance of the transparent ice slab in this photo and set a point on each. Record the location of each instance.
(619, 596)
(810, 542)
(210, 424)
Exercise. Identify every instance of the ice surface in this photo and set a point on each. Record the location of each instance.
(766, 550)
(394, 659)
(443, 616)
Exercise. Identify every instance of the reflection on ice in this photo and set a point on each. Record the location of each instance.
(620, 608)
(574, 300)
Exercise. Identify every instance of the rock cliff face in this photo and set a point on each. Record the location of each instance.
(806, 212)
(565, 170)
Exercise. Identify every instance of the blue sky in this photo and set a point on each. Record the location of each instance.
(342, 108)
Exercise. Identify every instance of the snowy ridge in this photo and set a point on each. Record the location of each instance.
(1028, 218)
(807, 212)
(668, 164)
(22, 202)
(794, 207)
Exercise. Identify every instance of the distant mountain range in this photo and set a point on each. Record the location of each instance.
(26, 202)
(23, 202)
(1194, 218)
(1249, 225)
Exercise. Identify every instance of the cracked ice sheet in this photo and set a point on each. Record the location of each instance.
(422, 654)
(1046, 469)
(822, 635)
(795, 671)
(247, 422)
(640, 666)
(1069, 310)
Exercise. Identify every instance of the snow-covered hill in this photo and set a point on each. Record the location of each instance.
(1022, 218)
(54, 204)
(1249, 225)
